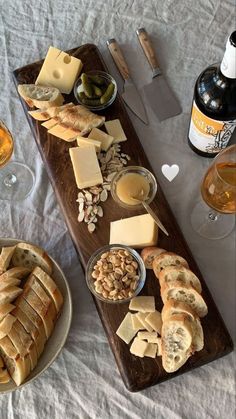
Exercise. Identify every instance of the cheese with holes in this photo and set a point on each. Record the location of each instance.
(59, 70)
(141, 317)
(143, 304)
(155, 321)
(86, 167)
(115, 129)
(125, 331)
(151, 350)
(99, 135)
(138, 347)
(83, 142)
(138, 232)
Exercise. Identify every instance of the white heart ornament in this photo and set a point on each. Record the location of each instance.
(170, 172)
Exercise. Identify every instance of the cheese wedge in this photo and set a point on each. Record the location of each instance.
(141, 317)
(125, 331)
(99, 135)
(59, 70)
(155, 321)
(138, 232)
(115, 129)
(138, 347)
(137, 325)
(86, 167)
(151, 350)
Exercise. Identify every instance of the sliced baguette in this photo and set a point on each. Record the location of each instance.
(149, 253)
(50, 287)
(167, 259)
(18, 367)
(179, 274)
(16, 341)
(40, 96)
(5, 258)
(29, 256)
(47, 301)
(6, 325)
(9, 294)
(1, 362)
(185, 294)
(18, 272)
(4, 376)
(176, 342)
(5, 309)
(25, 337)
(10, 282)
(44, 115)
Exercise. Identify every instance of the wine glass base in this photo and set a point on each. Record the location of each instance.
(16, 181)
(211, 224)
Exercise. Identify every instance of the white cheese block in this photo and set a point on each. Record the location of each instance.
(158, 342)
(137, 325)
(138, 232)
(151, 350)
(125, 331)
(86, 167)
(143, 304)
(59, 70)
(115, 129)
(146, 335)
(155, 321)
(99, 135)
(138, 347)
(83, 142)
(141, 317)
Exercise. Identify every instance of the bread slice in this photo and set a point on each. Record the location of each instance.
(44, 115)
(5, 258)
(5, 309)
(35, 302)
(172, 307)
(9, 294)
(16, 341)
(40, 96)
(25, 337)
(176, 341)
(167, 259)
(181, 275)
(4, 376)
(149, 253)
(50, 287)
(18, 272)
(6, 325)
(47, 301)
(1, 363)
(29, 256)
(185, 294)
(10, 282)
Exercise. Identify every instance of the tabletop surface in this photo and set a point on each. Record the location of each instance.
(84, 381)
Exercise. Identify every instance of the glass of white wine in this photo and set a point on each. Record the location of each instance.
(16, 179)
(218, 191)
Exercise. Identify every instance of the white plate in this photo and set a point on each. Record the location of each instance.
(57, 340)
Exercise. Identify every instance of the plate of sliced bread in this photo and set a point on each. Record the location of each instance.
(35, 312)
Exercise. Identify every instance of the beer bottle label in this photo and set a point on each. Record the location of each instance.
(207, 134)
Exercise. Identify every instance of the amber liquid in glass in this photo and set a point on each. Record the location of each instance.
(219, 187)
(130, 186)
(6, 145)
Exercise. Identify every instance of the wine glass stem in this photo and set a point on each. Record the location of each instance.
(213, 216)
(10, 180)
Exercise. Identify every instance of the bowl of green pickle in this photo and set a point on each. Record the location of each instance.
(96, 90)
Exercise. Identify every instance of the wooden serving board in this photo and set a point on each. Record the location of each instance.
(137, 373)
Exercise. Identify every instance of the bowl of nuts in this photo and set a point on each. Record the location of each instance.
(115, 273)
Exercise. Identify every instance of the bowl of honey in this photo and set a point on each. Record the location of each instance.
(132, 185)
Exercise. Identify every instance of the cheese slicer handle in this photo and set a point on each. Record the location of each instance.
(118, 58)
(147, 48)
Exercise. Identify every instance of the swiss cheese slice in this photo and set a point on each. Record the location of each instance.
(115, 129)
(138, 347)
(99, 135)
(125, 331)
(59, 70)
(141, 317)
(138, 232)
(83, 142)
(86, 167)
(155, 321)
(151, 350)
(145, 304)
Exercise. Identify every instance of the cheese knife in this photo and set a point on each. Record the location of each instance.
(130, 94)
(161, 97)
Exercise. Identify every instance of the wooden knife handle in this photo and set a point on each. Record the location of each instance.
(147, 47)
(118, 58)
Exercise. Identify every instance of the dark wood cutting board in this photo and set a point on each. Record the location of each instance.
(137, 373)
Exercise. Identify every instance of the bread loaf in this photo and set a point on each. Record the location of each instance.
(40, 96)
(29, 256)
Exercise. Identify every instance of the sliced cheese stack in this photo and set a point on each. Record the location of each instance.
(145, 325)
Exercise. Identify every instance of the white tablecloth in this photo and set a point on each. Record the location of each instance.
(189, 35)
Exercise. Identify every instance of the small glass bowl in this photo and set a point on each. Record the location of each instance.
(141, 171)
(107, 78)
(96, 256)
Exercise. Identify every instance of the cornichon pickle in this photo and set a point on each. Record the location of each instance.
(97, 91)
(91, 102)
(108, 94)
(99, 81)
(82, 95)
(87, 86)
